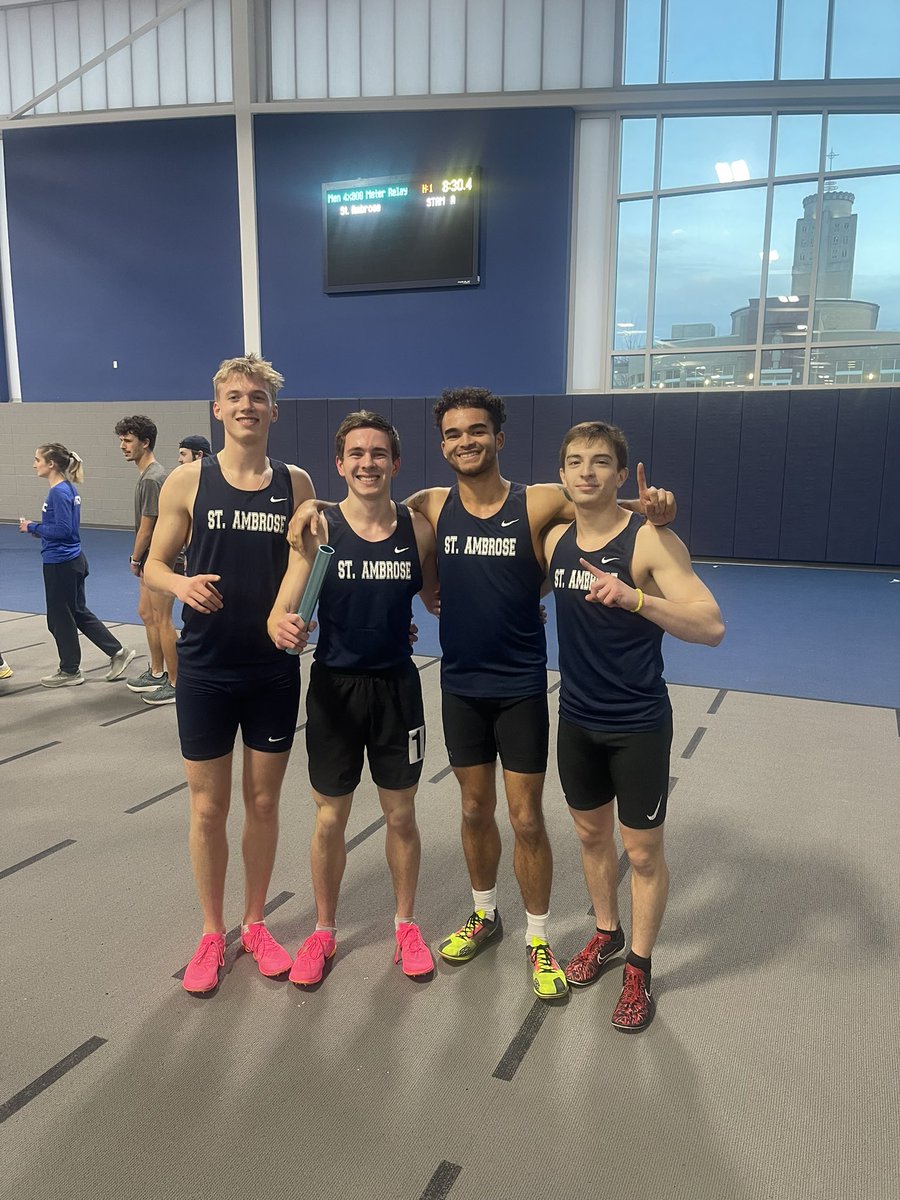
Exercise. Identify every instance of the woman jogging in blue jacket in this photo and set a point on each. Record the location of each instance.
(66, 568)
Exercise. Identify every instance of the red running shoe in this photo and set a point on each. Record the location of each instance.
(309, 965)
(412, 953)
(636, 1007)
(202, 972)
(271, 957)
(588, 963)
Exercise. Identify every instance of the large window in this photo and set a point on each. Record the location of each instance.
(706, 40)
(727, 275)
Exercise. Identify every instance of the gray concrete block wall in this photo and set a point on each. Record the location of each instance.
(108, 488)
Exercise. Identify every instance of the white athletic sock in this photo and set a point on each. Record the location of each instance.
(486, 902)
(398, 921)
(332, 929)
(537, 926)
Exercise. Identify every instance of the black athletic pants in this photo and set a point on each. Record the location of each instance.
(67, 613)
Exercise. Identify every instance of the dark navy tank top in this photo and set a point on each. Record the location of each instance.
(492, 637)
(610, 660)
(365, 606)
(240, 536)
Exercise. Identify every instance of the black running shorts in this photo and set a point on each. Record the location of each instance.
(210, 711)
(633, 768)
(379, 715)
(477, 730)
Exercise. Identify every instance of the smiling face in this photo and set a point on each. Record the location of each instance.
(468, 441)
(245, 407)
(366, 464)
(590, 473)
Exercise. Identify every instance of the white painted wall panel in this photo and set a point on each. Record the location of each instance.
(118, 68)
(590, 251)
(377, 47)
(145, 56)
(343, 48)
(198, 38)
(68, 58)
(284, 77)
(312, 49)
(598, 52)
(43, 55)
(412, 50)
(484, 46)
(522, 46)
(448, 47)
(92, 42)
(172, 61)
(562, 44)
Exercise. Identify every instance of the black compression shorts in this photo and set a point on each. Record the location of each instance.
(210, 711)
(379, 715)
(633, 768)
(477, 730)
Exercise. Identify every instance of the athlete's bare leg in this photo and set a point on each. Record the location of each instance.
(480, 835)
(532, 856)
(161, 606)
(595, 829)
(263, 775)
(402, 846)
(649, 885)
(210, 788)
(148, 613)
(328, 854)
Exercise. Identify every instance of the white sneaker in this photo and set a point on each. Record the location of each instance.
(119, 663)
(62, 679)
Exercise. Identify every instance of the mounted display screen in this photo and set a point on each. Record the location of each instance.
(402, 231)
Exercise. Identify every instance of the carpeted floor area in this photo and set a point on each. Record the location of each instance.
(769, 1071)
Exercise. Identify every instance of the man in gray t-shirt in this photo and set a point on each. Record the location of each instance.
(137, 437)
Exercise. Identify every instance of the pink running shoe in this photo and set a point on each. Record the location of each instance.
(309, 965)
(272, 957)
(636, 1005)
(412, 953)
(202, 973)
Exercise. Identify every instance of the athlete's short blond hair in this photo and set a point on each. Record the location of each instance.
(254, 367)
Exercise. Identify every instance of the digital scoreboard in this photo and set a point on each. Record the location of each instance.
(402, 231)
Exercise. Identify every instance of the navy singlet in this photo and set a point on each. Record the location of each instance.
(492, 637)
(240, 536)
(610, 660)
(365, 607)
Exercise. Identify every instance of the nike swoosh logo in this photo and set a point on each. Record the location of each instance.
(503, 524)
(284, 739)
(277, 499)
(650, 816)
(615, 558)
(400, 549)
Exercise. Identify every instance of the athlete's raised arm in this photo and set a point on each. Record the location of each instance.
(426, 547)
(675, 599)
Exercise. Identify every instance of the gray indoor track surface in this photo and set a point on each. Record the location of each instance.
(770, 1070)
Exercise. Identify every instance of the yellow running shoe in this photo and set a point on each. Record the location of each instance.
(467, 941)
(549, 980)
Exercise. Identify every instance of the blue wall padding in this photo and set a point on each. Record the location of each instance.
(552, 420)
(716, 457)
(4, 380)
(858, 472)
(411, 418)
(124, 246)
(515, 457)
(508, 334)
(760, 490)
(671, 454)
(808, 470)
(634, 416)
(592, 408)
(887, 549)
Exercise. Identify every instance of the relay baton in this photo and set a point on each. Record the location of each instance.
(310, 597)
